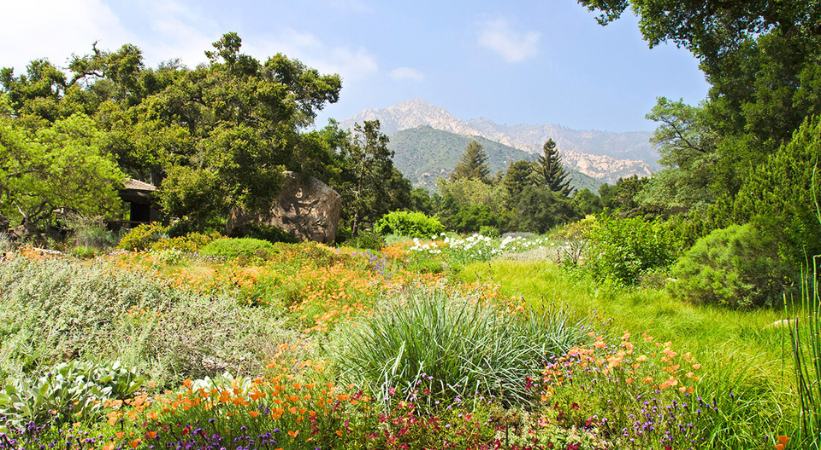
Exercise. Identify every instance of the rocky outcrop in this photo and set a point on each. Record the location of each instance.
(305, 208)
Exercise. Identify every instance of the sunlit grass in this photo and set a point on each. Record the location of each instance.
(741, 350)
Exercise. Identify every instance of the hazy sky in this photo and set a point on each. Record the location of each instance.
(512, 62)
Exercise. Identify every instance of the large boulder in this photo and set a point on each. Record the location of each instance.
(305, 208)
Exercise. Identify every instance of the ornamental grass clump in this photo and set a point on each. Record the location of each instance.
(450, 347)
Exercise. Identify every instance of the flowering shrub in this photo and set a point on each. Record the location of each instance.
(641, 396)
(274, 411)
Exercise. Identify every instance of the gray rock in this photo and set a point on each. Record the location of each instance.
(306, 208)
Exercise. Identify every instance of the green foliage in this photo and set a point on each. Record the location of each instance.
(265, 232)
(193, 195)
(736, 266)
(58, 166)
(550, 172)
(622, 196)
(466, 204)
(585, 202)
(367, 240)
(410, 224)
(104, 314)
(491, 232)
(83, 252)
(236, 247)
(470, 218)
(191, 242)
(473, 164)
(369, 184)
(621, 250)
(519, 175)
(687, 147)
(539, 209)
(142, 236)
(172, 123)
(779, 193)
(66, 393)
(420, 200)
(451, 345)
(761, 60)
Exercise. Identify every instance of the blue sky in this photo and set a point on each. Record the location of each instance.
(522, 62)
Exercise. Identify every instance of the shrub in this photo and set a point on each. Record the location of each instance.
(236, 247)
(367, 240)
(452, 345)
(489, 231)
(737, 266)
(190, 242)
(83, 252)
(57, 310)
(142, 236)
(621, 250)
(781, 192)
(6, 244)
(90, 232)
(407, 223)
(66, 393)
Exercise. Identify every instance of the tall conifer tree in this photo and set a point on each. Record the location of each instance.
(551, 172)
(473, 164)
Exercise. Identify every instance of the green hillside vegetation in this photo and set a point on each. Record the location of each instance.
(424, 154)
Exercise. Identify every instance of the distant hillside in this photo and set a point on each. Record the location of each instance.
(603, 155)
(424, 154)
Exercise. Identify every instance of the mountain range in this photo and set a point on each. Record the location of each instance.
(427, 141)
(424, 154)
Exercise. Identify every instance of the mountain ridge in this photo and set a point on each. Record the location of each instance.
(603, 155)
(424, 154)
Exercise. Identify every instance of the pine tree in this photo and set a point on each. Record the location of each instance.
(473, 164)
(518, 176)
(551, 172)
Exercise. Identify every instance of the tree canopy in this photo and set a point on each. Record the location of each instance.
(60, 166)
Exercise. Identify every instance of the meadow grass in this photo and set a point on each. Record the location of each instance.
(741, 351)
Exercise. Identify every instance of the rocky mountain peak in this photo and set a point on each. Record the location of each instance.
(600, 154)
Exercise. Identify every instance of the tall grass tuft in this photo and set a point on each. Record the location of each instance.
(451, 348)
(805, 340)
